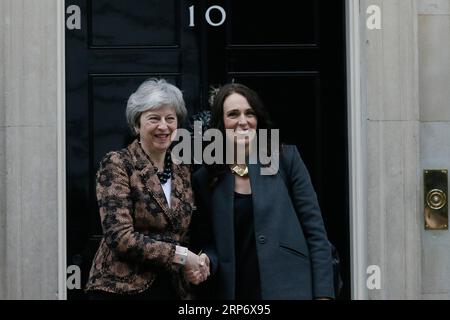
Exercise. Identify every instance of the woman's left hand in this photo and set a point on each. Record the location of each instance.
(194, 276)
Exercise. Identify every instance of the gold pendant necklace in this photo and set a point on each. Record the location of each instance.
(242, 172)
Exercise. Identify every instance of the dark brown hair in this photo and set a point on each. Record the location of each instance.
(253, 99)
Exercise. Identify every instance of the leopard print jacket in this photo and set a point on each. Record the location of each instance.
(140, 230)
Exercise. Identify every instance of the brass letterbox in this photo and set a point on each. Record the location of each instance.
(436, 199)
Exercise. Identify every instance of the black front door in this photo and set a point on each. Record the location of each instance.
(291, 52)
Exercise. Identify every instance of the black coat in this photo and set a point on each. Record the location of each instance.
(294, 258)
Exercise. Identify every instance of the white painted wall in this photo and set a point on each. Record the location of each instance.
(434, 92)
(28, 149)
(2, 160)
(390, 96)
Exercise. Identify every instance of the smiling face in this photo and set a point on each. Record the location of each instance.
(156, 128)
(239, 119)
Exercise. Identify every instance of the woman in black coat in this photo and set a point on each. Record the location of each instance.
(263, 232)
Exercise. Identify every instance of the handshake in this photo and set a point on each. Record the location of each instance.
(196, 267)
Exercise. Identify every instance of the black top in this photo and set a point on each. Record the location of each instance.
(247, 269)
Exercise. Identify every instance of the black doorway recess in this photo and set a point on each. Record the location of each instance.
(291, 52)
